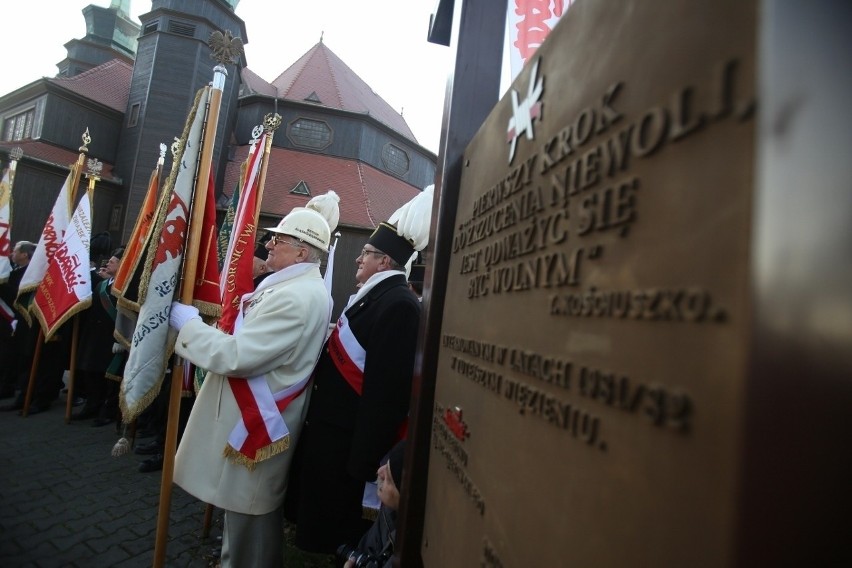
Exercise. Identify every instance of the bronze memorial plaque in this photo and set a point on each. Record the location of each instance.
(591, 374)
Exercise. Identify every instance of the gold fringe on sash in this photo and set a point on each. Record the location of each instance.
(262, 454)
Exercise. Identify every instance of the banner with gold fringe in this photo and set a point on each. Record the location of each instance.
(152, 342)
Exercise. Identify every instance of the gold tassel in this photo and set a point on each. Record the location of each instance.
(121, 447)
(262, 454)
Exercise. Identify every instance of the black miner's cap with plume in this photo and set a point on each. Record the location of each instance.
(407, 230)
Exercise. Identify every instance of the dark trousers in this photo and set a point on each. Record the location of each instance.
(156, 416)
(52, 363)
(322, 498)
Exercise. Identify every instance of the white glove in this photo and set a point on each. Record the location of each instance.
(118, 348)
(181, 313)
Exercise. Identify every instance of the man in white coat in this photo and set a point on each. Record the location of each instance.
(235, 452)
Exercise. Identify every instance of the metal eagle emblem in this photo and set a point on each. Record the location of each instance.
(225, 47)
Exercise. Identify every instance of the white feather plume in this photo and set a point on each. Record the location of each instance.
(327, 206)
(412, 220)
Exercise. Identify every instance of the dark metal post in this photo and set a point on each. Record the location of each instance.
(472, 91)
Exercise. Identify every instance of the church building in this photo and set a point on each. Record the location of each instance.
(132, 86)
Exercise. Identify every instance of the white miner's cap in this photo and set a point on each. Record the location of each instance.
(306, 225)
(314, 222)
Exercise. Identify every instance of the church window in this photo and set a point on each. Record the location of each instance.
(301, 189)
(133, 119)
(309, 133)
(20, 126)
(395, 159)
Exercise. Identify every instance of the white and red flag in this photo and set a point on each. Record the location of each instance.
(48, 244)
(528, 23)
(236, 277)
(153, 343)
(5, 225)
(66, 288)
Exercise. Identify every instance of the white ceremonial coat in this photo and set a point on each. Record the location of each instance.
(283, 330)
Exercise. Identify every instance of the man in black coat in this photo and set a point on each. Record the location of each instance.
(95, 352)
(360, 399)
(14, 348)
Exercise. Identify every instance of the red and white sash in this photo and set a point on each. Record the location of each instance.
(349, 357)
(261, 431)
(347, 354)
(6, 312)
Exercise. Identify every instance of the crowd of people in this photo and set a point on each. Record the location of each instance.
(26, 357)
(291, 421)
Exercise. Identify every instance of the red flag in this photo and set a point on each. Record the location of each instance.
(51, 239)
(206, 295)
(67, 285)
(236, 279)
(6, 222)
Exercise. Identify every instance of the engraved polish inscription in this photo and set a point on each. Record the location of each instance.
(536, 227)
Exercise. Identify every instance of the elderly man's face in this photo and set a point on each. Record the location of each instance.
(370, 261)
(284, 251)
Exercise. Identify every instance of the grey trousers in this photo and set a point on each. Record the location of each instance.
(253, 541)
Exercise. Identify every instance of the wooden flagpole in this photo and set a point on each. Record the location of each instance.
(78, 168)
(94, 168)
(225, 49)
(271, 122)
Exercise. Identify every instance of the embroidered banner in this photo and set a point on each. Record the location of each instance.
(50, 241)
(152, 343)
(66, 288)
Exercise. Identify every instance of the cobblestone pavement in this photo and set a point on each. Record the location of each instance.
(66, 502)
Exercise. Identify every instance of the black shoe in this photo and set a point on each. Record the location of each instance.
(151, 448)
(145, 433)
(85, 413)
(101, 421)
(154, 463)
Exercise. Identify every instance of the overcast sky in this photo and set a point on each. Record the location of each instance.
(383, 41)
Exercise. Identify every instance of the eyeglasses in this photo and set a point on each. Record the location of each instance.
(365, 252)
(279, 239)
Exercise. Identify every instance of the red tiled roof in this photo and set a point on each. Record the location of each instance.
(321, 73)
(108, 84)
(252, 83)
(367, 196)
(34, 149)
